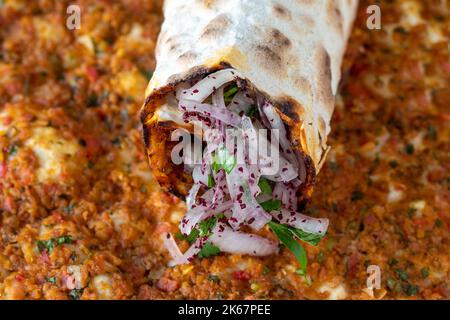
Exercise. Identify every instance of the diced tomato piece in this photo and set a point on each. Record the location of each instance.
(19, 277)
(3, 169)
(92, 73)
(241, 275)
(93, 146)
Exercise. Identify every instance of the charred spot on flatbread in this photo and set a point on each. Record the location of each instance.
(281, 12)
(334, 16)
(323, 77)
(216, 27)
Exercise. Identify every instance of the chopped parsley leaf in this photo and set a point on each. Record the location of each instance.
(223, 160)
(229, 94)
(266, 270)
(425, 272)
(264, 185)
(49, 245)
(287, 238)
(52, 280)
(208, 250)
(211, 181)
(410, 289)
(75, 294)
(251, 112)
(432, 132)
(206, 226)
(213, 278)
(271, 205)
(311, 238)
(401, 274)
(192, 236)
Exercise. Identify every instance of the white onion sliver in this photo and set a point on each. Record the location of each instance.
(206, 86)
(301, 221)
(230, 241)
(240, 103)
(218, 99)
(190, 253)
(171, 246)
(208, 110)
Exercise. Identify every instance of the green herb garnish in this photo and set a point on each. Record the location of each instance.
(223, 160)
(52, 280)
(213, 278)
(438, 223)
(206, 226)
(266, 270)
(311, 238)
(271, 205)
(425, 272)
(13, 150)
(287, 238)
(264, 185)
(75, 294)
(401, 274)
(208, 250)
(410, 289)
(229, 94)
(69, 208)
(432, 132)
(211, 181)
(192, 236)
(204, 229)
(49, 245)
(251, 112)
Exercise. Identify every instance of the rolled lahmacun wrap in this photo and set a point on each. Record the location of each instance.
(245, 65)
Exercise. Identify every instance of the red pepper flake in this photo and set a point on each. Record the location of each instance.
(241, 275)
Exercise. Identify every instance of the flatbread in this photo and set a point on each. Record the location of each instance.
(289, 51)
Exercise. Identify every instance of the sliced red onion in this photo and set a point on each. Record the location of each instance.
(287, 193)
(275, 122)
(206, 86)
(190, 199)
(200, 176)
(228, 240)
(208, 110)
(245, 208)
(286, 172)
(301, 221)
(171, 246)
(240, 103)
(190, 254)
(218, 99)
(192, 218)
(180, 88)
